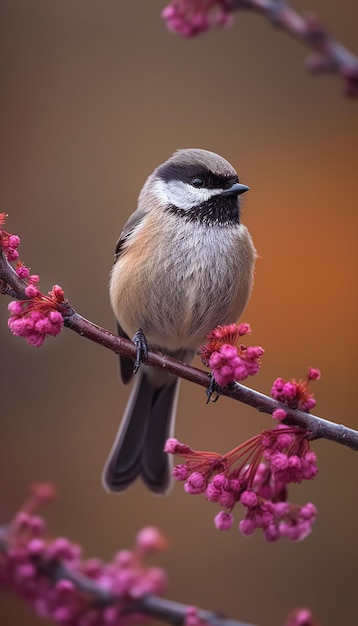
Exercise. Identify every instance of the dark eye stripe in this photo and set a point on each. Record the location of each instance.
(213, 181)
(187, 173)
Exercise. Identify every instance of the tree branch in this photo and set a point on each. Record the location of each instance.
(151, 605)
(175, 612)
(320, 428)
(329, 56)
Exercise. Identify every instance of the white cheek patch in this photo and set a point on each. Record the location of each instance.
(183, 195)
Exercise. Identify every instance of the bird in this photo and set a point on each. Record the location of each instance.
(184, 264)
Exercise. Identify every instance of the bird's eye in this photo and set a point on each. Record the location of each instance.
(197, 182)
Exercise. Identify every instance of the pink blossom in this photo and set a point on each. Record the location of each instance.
(22, 271)
(284, 438)
(150, 539)
(296, 394)
(29, 523)
(310, 403)
(8, 242)
(223, 364)
(213, 493)
(249, 498)
(14, 241)
(278, 461)
(192, 617)
(195, 483)
(220, 481)
(223, 520)
(40, 493)
(191, 17)
(154, 581)
(247, 526)
(261, 487)
(308, 511)
(227, 498)
(301, 617)
(314, 374)
(37, 317)
(271, 532)
(228, 365)
(30, 565)
(244, 329)
(229, 359)
(180, 472)
(279, 414)
(15, 307)
(36, 546)
(309, 465)
(173, 446)
(281, 509)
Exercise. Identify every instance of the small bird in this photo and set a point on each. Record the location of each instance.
(183, 265)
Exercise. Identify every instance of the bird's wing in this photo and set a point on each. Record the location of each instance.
(125, 364)
(133, 221)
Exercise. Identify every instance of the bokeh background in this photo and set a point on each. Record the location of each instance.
(94, 95)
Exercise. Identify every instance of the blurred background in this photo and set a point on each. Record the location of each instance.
(94, 95)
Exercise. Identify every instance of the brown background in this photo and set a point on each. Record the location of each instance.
(94, 95)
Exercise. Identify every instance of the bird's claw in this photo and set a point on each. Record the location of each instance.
(141, 344)
(212, 389)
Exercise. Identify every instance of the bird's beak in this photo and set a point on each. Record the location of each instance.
(235, 190)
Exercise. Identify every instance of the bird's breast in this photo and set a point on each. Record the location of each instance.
(177, 281)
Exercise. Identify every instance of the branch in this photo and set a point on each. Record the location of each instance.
(92, 595)
(154, 606)
(319, 427)
(189, 18)
(329, 55)
(176, 612)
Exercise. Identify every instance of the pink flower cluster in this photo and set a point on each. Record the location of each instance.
(228, 366)
(36, 568)
(8, 243)
(37, 315)
(296, 394)
(256, 474)
(229, 359)
(301, 617)
(191, 17)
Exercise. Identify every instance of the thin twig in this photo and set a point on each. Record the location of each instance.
(329, 56)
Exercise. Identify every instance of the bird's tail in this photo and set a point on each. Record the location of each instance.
(138, 448)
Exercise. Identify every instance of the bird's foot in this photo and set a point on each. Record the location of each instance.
(212, 389)
(141, 344)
